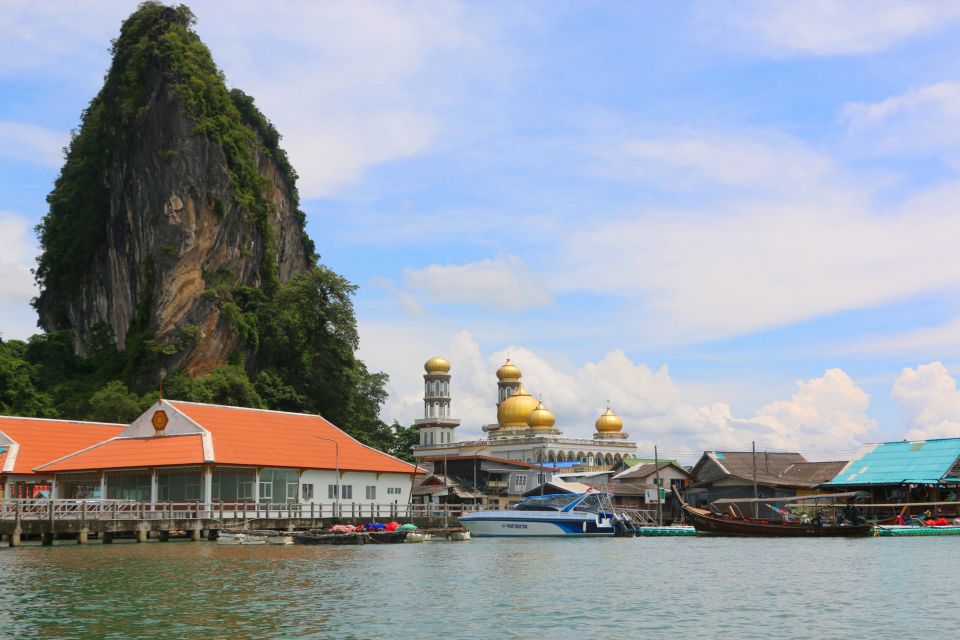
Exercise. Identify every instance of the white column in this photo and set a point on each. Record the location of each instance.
(256, 486)
(53, 487)
(103, 486)
(208, 487)
(154, 487)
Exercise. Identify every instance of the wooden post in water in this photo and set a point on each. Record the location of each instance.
(756, 496)
(656, 472)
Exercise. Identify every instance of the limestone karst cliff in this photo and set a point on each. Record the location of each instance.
(173, 194)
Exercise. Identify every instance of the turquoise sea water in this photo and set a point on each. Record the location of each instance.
(503, 588)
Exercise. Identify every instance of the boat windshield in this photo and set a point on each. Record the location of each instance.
(591, 503)
(546, 503)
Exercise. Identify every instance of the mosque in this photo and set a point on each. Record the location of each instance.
(525, 430)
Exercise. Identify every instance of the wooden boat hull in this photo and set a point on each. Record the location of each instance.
(708, 524)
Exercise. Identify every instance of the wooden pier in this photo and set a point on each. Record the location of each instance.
(82, 520)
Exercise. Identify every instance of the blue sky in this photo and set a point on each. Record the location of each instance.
(734, 221)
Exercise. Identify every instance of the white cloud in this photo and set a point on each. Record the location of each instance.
(829, 411)
(354, 85)
(823, 27)
(17, 318)
(797, 238)
(941, 340)
(30, 143)
(503, 282)
(827, 414)
(920, 120)
(929, 402)
(758, 159)
(349, 85)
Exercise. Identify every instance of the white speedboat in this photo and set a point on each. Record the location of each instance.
(578, 515)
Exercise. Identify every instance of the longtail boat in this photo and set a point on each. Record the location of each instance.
(732, 523)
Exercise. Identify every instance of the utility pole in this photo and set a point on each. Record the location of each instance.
(656, 471)
(756, 496)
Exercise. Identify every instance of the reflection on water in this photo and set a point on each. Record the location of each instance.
(630, 588)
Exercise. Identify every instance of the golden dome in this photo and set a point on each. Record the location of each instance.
(541, 418)
(515, 410)
(609, 422)
(508, 372)
(436, 365)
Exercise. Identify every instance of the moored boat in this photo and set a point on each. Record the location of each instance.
(714, 522)
(554, 515)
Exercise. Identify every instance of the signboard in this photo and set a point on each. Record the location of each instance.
(652, 496)
(159, 421)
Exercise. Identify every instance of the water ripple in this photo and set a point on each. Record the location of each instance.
(647, 587)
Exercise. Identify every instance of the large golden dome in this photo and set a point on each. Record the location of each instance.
(541, 418)
(609, 422)
(436, 365)
(508, 372)
(515, 410)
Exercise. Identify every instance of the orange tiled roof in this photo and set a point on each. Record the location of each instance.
(129, 453)
(44, 440)
(277, 439)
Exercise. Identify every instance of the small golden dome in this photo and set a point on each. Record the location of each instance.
(515, 410)
(609, 422)
(436, 365)
(541, 418)
(508, 372)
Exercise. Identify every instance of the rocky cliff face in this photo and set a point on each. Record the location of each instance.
(188, 198)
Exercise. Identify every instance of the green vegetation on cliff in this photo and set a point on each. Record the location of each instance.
(297, 339)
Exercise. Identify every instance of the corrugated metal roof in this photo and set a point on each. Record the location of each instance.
(919, 462)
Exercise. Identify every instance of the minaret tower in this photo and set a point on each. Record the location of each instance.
(437, 426)
(508, 376)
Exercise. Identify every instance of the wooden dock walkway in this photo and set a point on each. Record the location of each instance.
(107, 519)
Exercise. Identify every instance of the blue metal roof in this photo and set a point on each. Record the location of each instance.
(920, 462)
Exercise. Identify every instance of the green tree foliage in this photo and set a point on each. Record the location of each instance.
(115, 403)
(19, 395)
(404, 440)
(227, 385)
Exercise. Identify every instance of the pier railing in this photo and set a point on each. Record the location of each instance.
(79, 510)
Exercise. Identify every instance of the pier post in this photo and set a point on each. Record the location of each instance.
(47, 539)
(141, 534)
(15, 537)
(84, 536)
(195, 534)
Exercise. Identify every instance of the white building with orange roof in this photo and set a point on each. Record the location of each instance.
(190, 452)
(26, 443)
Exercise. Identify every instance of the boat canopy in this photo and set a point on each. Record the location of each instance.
(856, 495)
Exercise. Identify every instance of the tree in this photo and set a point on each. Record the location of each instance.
(115, 403)
(228, 385)
(19, 395)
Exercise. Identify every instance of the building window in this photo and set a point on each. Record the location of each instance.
(371, 492)
(279, 485)
(332, 491)
(393, 491)
(347, 490)
(306, 491)
(520, 481)
(229, 485)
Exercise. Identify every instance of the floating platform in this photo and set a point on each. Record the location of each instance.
(381, 537)
(884, 530)
(666, 531)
